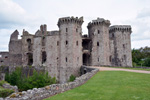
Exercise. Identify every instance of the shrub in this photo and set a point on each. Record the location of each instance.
(37, 80)
(2, 82)
(72, 78)
(5, 92)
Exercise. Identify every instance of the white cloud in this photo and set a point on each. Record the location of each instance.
(29, 14)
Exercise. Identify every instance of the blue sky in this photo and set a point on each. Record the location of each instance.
(30, 14)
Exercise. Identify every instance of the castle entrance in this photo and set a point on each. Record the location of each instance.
(86, 59)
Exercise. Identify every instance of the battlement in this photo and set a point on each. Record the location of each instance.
(99, 21)
(70, 20)
(126, 28)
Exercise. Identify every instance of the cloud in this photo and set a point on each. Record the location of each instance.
(12, 17)
(141, 29)
(11, 14)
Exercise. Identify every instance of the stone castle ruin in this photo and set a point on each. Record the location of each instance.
(63, 52)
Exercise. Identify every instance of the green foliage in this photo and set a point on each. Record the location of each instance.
(72, 78)
(2, 82)
(37, 80)
(147, 62)
(5, 92)
(140, 57)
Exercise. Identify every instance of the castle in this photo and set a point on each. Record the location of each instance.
(63, 52)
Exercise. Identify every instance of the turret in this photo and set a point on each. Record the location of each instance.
(67, 20)
(121, 45)
(98, 32)
(43, 29)
(121, 28)
(70, 46)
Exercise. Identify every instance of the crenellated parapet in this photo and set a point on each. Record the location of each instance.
(66, 20)
(122, 28)
(99, 21)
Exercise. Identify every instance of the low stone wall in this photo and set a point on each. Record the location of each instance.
(41, 93)
(8, 86)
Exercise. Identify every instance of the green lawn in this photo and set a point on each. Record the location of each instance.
(111, 85)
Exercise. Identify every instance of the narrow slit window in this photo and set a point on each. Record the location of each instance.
(57, 43)
(66, 29)
(76, 29)
(98, 31)
(97, 43)
(66, 42)
(110, 58)
(77, 43)
(66, 59)
(44, 57)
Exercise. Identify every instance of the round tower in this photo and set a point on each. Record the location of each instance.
(99, 33)
(70, 47)
(120, 37)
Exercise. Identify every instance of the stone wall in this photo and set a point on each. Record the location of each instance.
(4, 58)
(41, 93)
(8, 86)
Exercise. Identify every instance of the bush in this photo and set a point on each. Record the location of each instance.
(37, 80)
(72, 78)
(2, 82)
(5, 92)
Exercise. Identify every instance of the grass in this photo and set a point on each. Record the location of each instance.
(110, 85)
(132, 68)
(5, 92)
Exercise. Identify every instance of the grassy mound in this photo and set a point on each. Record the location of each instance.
(111, 85)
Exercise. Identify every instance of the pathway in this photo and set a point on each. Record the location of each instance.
(121, 69)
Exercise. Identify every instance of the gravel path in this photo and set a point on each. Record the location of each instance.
(120, 69)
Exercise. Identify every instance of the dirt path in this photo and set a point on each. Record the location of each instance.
(120, 69)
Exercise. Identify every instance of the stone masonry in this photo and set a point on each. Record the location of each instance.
(63, 52)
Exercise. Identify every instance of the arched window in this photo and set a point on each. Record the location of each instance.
(29, 44)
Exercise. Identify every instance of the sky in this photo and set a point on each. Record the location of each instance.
(30, 14)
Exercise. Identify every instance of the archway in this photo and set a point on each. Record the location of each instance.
(86, 59)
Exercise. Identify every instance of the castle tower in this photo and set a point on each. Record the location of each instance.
(121, 45)
(70, 46)
(99, 33)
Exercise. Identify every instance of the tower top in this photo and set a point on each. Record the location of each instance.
(98, 21)
(70, 20)
(126, 28)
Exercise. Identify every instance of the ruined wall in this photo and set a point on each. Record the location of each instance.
(52, 53)
(70, 47)
(98, 32)
(27, 48)
(15, 50)
(4, 58)
(39, 46)
(120, 35)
